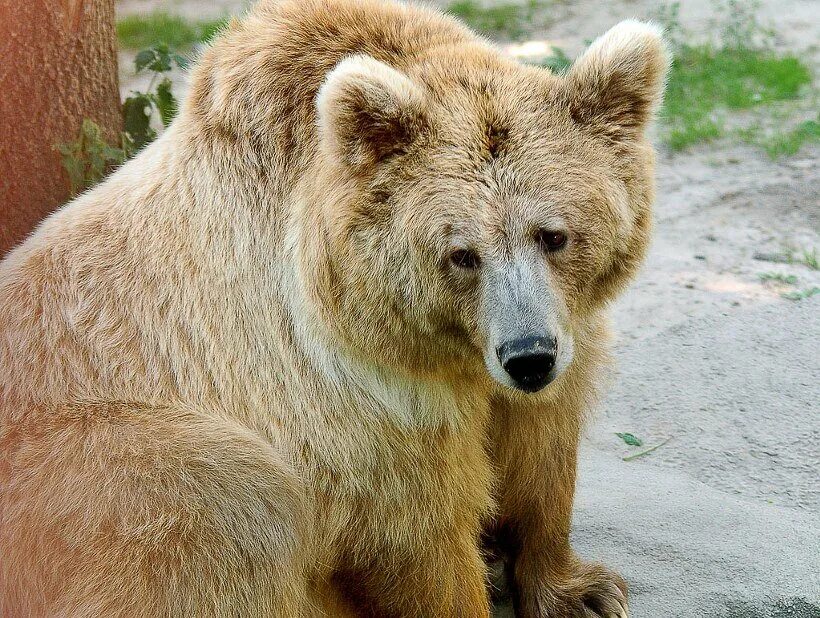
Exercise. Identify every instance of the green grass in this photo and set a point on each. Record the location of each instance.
(783, 143)
(706, 83)
(809, 258)
(142, 31)
(558, 62)
(790, 143)
(779, 277)
(802, 294)
(505, 19)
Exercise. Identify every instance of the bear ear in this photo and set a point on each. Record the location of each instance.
(369, 111)
(617, 84)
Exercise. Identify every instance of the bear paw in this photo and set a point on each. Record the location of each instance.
(589, 591)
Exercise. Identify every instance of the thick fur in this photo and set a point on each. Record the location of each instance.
(240, 377)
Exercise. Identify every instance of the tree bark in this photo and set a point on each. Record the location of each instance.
(58, 65)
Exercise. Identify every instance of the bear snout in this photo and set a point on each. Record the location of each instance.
(529, 361)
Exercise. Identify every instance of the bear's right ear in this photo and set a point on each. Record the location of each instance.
(368, 111)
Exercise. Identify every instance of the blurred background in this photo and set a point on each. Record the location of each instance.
(700, 472)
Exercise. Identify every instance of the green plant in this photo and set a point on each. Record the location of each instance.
(138, 108)
(790, 142)
(809, 258)
(779, 277)
(506, 19)
(159, 27)
(806, 257)
(779, 141)
(802, 294)
(559, 62)
(89, 158)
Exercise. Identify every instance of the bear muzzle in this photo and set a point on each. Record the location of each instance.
(529, 361)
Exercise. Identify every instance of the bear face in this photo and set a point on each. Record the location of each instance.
(475, 211)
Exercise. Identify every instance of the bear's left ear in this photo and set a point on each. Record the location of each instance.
(369, 111)
(617, 84)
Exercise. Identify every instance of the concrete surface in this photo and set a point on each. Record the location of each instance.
(691, 551)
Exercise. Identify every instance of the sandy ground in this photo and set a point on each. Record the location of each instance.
(723, 520)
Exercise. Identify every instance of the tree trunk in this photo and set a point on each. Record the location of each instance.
(58, 65)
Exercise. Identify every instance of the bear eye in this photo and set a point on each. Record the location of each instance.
(550, 241)
(465, 258)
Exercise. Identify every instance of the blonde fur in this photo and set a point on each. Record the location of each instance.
(234, 378)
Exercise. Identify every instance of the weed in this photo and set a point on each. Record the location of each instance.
(89, 158)
(138, 109)
(809, 258)
(559, 62)
(159, 27)
(790, 143)
(779, 277)
(806, 257)
(505, 19)
(802, 294)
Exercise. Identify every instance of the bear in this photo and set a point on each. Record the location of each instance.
(328, 345)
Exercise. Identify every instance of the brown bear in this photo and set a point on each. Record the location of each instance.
(340, 323)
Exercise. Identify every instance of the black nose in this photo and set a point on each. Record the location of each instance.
(528, 361)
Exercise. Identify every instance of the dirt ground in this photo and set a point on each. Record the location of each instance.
(724, 518)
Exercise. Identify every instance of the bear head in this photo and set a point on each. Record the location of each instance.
(472, 212)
